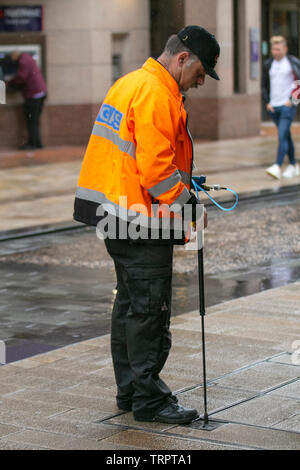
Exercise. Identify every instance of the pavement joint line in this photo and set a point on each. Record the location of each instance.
(110, 417)
(282, 420)
(258, 395)
(228, 374)
(185, 437)
(20, 430)
(61, 413)
(231, 388)
(268, 428)
(291, 364)
(281, 385)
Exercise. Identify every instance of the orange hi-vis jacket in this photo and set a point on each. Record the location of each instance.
(140, 152)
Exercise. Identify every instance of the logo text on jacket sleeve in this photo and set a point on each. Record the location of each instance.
(110, 116)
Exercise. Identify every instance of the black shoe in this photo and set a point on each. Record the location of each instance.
(173, 414)
(127, 405)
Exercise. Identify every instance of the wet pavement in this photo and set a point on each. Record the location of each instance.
(57, 288)
(65, 399)
(56, 299)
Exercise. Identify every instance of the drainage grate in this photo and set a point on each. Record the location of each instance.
(210, 426)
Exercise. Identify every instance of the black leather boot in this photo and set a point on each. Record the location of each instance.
(172, 414)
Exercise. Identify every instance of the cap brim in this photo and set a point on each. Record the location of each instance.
(210, 71)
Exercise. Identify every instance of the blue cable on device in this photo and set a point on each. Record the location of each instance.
(199, 185)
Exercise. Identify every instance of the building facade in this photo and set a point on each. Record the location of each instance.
(83, 47)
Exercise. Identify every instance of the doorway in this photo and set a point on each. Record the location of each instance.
(280, 18)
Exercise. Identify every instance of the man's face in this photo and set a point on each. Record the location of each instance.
(192, 74)
(278, 51)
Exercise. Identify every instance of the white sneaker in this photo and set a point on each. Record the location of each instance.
(274, 171)
(291, 171)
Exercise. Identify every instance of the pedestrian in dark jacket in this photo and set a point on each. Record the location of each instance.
(34, 90)
(278, 83)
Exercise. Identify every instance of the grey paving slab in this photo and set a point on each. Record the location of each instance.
(52, 440)
(8, 370)
(257, 437)
(283, 359)
(84, 415)
(222, 358)
(291, 424)
(261, 377)
(291, 390)
(38, 407)
(63, 400)
(10, 388)
(26, 417)
(217, 397)
(126, 419)
(27, 381)
(62, 423)
(47, 371)
(262, 411)
(10, 445)
(70, 392)
(148, 440)
(282, 332)
(5, 430)
(90, 390)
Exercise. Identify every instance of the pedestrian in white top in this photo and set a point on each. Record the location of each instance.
(279, 75)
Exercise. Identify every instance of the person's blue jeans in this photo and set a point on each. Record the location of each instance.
(283, 117)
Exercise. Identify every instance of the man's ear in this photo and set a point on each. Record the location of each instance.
(182, 58)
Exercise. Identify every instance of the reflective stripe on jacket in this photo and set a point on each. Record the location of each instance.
(139, 152)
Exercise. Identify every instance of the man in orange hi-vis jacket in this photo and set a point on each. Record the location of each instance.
(135, 186)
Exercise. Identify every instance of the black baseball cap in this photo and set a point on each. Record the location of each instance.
(204, 45)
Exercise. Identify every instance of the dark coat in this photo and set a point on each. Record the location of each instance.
(29, 77)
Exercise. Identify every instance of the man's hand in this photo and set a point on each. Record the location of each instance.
(270, 108)
(288, 104)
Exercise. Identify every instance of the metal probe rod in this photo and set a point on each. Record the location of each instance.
(202, 313)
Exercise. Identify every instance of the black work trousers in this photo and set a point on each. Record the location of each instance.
(33, 109)
(140, 329)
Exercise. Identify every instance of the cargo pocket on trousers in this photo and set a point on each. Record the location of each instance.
(152, 292)
(149, 288)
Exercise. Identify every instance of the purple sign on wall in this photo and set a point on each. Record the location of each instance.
(254, 53)
(21, 18)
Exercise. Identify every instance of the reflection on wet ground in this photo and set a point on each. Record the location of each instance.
(56, 289)
(46, 307)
